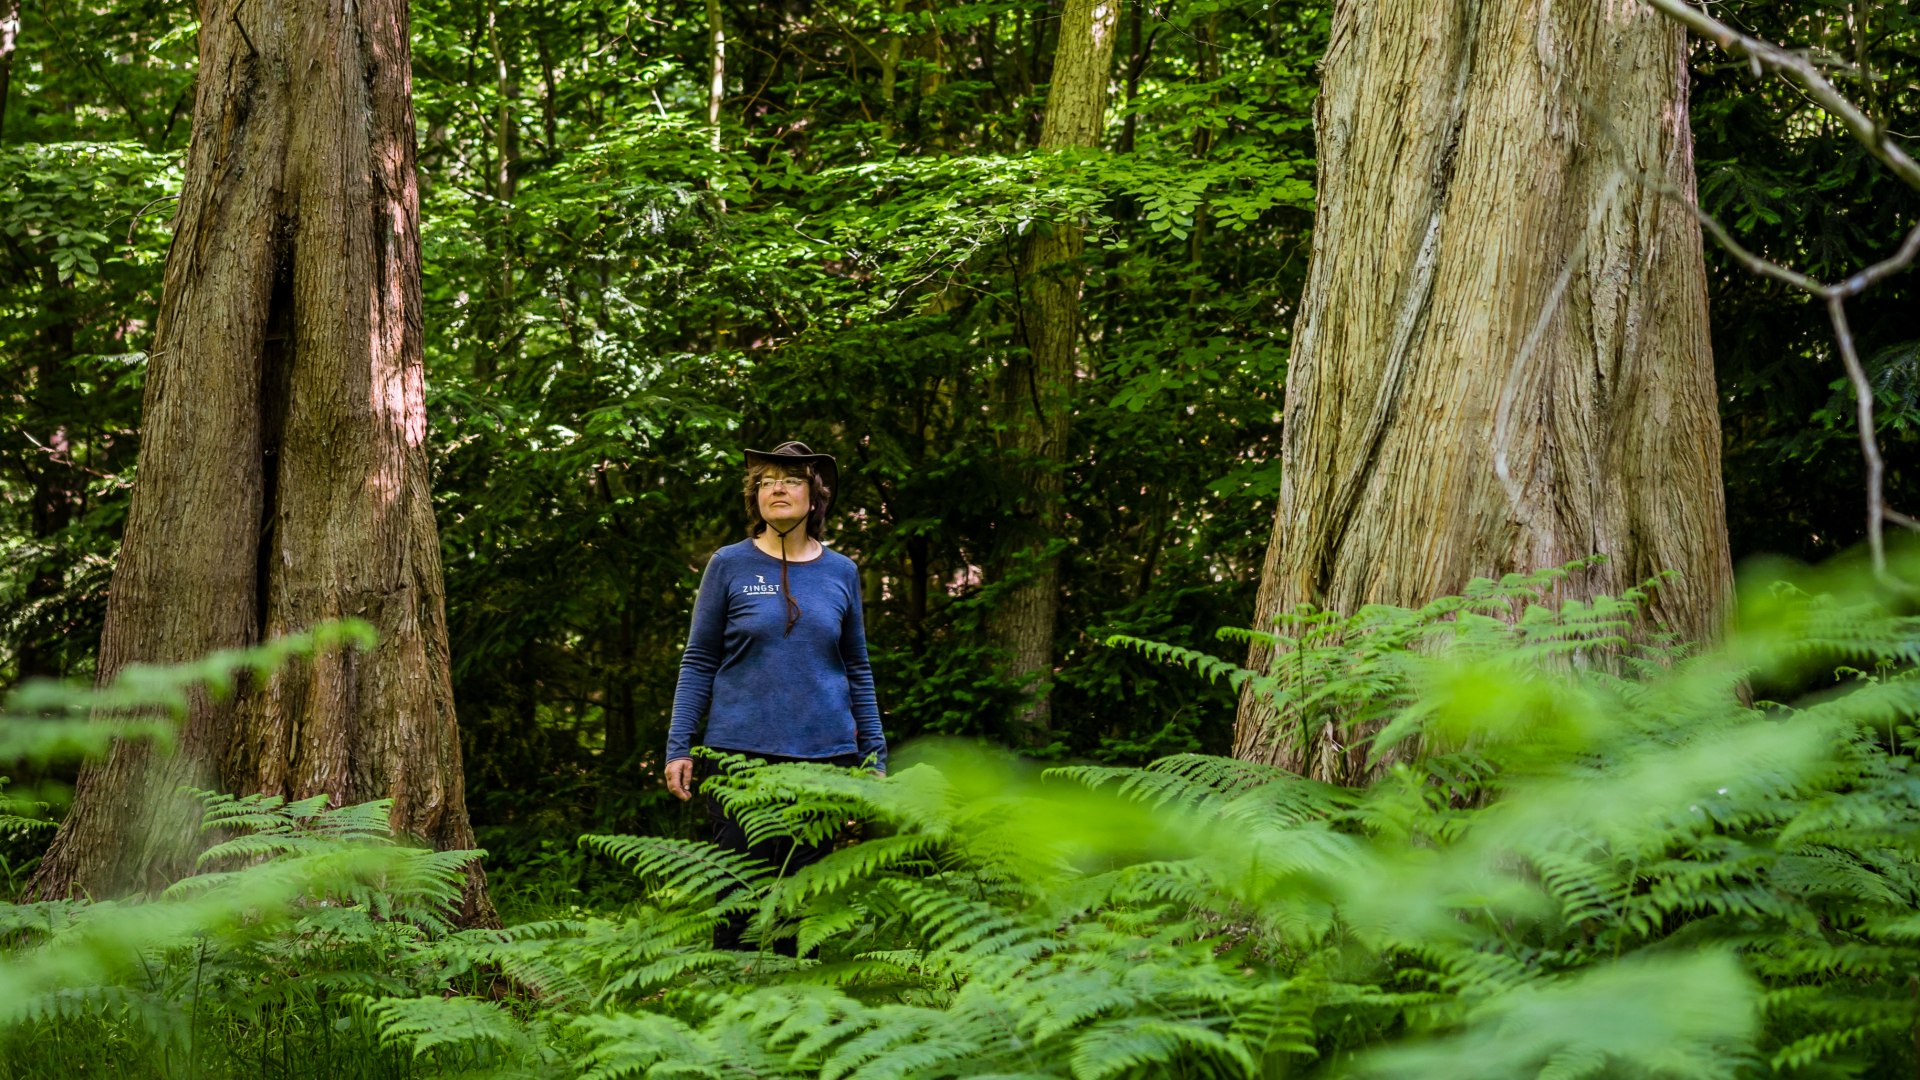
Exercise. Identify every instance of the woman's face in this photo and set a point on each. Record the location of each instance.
(784, 497)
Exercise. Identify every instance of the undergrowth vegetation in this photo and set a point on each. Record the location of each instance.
(1594, 855)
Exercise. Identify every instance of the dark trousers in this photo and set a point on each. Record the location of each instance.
(781, 854)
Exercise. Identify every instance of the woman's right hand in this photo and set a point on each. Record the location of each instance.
(680, 778)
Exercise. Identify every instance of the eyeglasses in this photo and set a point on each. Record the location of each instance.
(789, 483)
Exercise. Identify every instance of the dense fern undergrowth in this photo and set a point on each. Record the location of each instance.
(1596, 855)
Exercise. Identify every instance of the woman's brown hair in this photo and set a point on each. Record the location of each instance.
(817, 497)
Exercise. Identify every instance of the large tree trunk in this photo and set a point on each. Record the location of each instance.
(1036, 389)
(1501, 360)
(282, 473)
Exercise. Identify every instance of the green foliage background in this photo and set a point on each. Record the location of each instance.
(615, 308)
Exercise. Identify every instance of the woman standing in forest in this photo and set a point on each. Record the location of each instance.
(776, 661)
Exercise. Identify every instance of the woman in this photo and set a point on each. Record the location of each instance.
(776, 661)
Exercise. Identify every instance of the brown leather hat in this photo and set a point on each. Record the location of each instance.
(794, 453)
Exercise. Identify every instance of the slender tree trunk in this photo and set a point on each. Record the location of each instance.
(619, 726)
(506, 129)
(1202, 146)
(1501, 360)
(1022, 62)
(1138, 53)
(932, 47)
(918, 557)
(1036, 57)
(1036, 389)
(56, 483)
(717, 70)
(9, 34)
(51, 506)
(890, 65)
(498, 336)
(618, 711)
(283, 472)
(549, 107)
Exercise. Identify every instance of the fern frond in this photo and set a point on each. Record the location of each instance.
(1805, 1051)
(841, 868)
(688, 868)
(425, 1024)
(1121, 1045)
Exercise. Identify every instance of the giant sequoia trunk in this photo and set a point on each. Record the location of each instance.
(1501, 359)
(1035, 391)
(282, 475)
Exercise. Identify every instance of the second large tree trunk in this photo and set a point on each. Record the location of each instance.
(283, 473)
(1501, 359)
(1035, 392)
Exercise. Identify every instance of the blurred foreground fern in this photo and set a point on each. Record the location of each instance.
(1586, 868)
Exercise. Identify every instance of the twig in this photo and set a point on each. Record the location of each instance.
(1765, 56)
(59, 457)
(135, 223)
(1869, 441)
(795, 226)
(1894, 263)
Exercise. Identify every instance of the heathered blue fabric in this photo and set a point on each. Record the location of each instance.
(804, 695)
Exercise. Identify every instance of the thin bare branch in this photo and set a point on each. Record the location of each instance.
(1892, 264)
(1869, 441)
(1764, 55)
(1754, 263)
(137, 214)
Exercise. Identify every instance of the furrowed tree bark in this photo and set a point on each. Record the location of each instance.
(283, 473)
(1034, 394)
(1501, 360)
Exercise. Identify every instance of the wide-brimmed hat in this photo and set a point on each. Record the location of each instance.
(792, 453)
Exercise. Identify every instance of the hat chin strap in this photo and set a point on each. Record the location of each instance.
(786, 590)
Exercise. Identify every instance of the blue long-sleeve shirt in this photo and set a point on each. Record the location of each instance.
(808, 694)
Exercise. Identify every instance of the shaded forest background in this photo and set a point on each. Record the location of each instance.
(621, 295)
